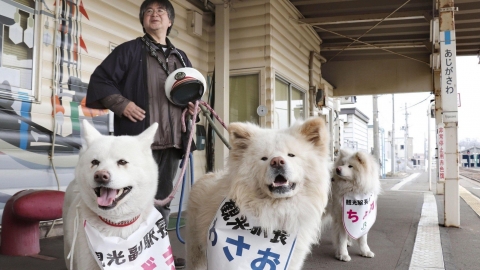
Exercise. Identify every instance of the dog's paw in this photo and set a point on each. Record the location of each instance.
(343, 257)
(368, 254)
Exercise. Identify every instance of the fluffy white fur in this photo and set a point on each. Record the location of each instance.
(129, 162)
(356, 172)
(246, 180)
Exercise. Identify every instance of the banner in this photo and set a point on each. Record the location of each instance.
(359, 213)
(147, 248)
(235, 241)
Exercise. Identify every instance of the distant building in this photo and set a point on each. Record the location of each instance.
(417, 160)
(399, 150)
(355, 129)
(470, 157)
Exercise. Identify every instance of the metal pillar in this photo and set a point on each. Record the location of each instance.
(376, 145)
(222, 76)
(405, 147)
(450, 111)
(429, 148)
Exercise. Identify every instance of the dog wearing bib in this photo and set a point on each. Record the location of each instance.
(352, 206)
(264, 209)
(109, 218)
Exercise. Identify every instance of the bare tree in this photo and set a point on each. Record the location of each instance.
(469, 143)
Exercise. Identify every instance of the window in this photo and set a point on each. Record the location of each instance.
(289, 103)
(401, 147)
(244, 98)
(17, 32)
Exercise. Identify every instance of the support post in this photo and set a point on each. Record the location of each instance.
(440, 183)
(450, 111)
(405, 140)
(429, 148)
(393, 135)
(376, 144)
(222, 76)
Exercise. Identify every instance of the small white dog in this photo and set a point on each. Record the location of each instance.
(108, 213)
(353, 201)
(266, 206)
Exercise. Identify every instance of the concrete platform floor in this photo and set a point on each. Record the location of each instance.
(392, 237)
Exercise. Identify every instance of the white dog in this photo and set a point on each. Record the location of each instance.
(353, 203)
(108, 213)
(266, 206)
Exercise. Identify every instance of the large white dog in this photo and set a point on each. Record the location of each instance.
(353, 203)
(108, 213)
(264, 209)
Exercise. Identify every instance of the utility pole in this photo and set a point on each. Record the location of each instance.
(376, 145)
(393, 134)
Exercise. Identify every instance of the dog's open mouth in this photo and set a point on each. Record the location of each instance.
(281, 185)
(107, 198)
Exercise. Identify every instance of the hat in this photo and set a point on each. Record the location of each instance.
(185, 85)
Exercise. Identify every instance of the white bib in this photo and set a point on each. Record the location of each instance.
(147, 248)
(235, 241)
(359, 213)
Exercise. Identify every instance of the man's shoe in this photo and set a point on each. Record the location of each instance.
(179, 262)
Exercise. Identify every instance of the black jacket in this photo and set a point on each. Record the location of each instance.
(124, 72)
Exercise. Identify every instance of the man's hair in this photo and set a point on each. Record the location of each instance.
(162, 3)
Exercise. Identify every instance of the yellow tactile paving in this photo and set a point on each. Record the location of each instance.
(472, 200)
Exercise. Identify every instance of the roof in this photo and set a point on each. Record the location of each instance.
(406, 31)
(355, 112)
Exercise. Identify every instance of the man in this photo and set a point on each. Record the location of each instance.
(130, 82)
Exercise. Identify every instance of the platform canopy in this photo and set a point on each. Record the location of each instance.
(383, 46)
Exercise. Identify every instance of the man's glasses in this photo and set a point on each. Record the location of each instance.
(150, 11)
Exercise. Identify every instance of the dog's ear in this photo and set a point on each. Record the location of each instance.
(89, 132)
(361, 157)
(314, 131)
(240, 135)
(148, 135)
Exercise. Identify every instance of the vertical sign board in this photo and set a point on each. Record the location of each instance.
(448, 54)
(441, 152)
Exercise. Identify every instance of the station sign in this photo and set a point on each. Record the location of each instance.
(448, 55)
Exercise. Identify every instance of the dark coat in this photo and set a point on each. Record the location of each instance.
(124, 72)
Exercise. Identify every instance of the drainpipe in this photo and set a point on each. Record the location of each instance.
(311, 85)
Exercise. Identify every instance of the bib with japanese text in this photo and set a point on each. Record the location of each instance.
(359, 213)
(147, 248)
(235, 241)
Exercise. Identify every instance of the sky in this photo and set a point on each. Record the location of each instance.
(468, 86)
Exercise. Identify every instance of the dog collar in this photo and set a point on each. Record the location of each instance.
(123, 223)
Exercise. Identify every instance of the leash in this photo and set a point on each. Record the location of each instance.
(75, 233)
(205, 109)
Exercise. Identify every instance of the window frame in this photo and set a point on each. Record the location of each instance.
(261, 87)
(35, 95)
(291, 85)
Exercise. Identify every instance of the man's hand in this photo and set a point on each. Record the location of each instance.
(133, 112)
(191, 108)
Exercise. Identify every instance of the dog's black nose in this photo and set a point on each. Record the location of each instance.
(339, 170)
(277, 162)
(102, 177)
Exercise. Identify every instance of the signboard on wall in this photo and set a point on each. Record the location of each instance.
(441, 152)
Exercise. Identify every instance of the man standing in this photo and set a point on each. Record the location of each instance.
(130, 82)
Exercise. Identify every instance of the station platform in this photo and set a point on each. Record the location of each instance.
(408, 234)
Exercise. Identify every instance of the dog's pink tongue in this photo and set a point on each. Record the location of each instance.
(107, 195)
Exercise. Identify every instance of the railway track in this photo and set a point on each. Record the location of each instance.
(470, 173)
